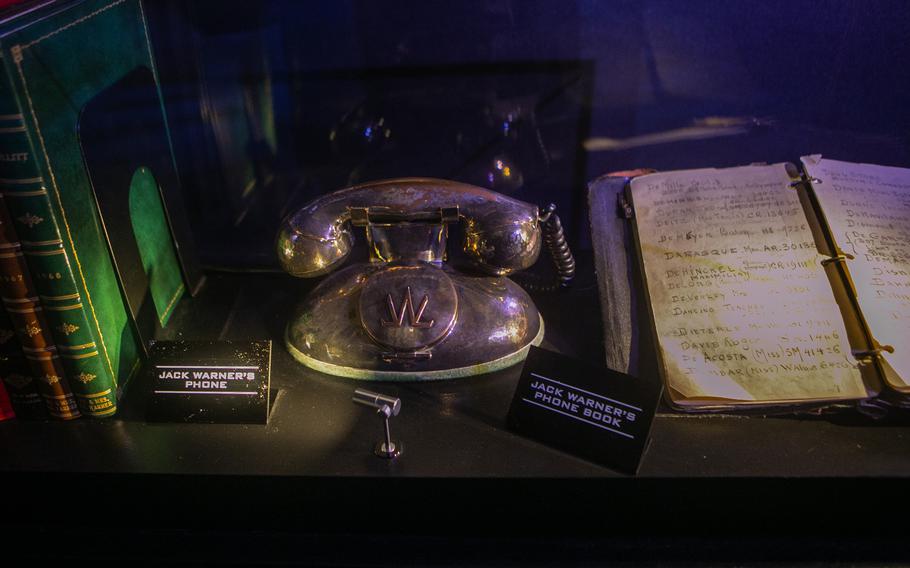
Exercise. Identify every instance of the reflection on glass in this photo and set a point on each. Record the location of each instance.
(360, 132)
(503, 175)
(516, 150)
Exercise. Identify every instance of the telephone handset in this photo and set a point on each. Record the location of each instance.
(407, 314)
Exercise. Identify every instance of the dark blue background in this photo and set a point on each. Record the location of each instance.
(789, 78)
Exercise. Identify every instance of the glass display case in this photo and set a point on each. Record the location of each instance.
(184, 152)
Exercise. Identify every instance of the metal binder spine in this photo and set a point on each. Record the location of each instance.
(838, 260)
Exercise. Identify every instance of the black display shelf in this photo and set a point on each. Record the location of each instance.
(310, 470)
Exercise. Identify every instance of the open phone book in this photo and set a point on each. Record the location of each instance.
(777, 285)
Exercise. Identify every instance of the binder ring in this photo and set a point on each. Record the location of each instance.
(809, 179)
(874, 352)
(842, 257)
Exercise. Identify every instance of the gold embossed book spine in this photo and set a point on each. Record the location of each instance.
(69, 350)
(30, 326)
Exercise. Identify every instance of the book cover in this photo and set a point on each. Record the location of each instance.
(44, 278)
(51, 196)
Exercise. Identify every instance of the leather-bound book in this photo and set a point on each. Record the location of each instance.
(29, 325)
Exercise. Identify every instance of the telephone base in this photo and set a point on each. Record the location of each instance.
(413, 321)
(403, 376)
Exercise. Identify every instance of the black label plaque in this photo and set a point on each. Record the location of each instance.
(209, 381)
(587, 410)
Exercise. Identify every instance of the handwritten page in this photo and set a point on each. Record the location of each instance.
(743, 308)
(868, 210)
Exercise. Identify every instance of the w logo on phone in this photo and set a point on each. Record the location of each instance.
(407, 306)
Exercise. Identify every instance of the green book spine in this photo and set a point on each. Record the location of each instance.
(16, 376)
(27, 317)
(69, 319)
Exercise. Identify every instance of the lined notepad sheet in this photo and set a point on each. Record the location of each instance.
(742, 306)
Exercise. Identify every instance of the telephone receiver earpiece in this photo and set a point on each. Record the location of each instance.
(502, 235)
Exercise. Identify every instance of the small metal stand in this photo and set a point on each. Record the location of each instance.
(387, 407)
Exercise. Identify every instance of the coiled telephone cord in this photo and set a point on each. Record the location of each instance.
(554, 239)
